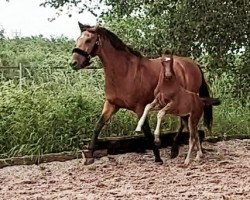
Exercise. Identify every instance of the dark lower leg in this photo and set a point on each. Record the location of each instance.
(97, 130)
(107, 112)
(89, 155)
(175, 145)
(150, 137)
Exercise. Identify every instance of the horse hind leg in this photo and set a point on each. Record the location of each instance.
(197, 137)
(199, 154)
(192, 140)
(175, 145)
(198, 144)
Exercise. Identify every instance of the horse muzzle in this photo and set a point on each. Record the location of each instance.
(76, 65)
(81, 59)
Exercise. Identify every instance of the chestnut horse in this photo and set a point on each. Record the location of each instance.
(130, 78)
(172, 98)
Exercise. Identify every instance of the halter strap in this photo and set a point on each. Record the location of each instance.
(81, 52)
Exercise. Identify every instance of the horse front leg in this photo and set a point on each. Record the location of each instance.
(144, 125)
(107, 111)
(160, 115)
(147, 108)
(150, 137)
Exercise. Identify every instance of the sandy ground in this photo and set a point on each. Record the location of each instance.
(224, 173)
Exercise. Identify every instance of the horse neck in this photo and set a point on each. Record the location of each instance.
(170, 87)
(115, 61)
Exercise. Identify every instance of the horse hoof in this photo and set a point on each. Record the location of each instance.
(198, 157)
(87, 153)
(187, 162)
(174, 152)
(157, 142)
(89, 161)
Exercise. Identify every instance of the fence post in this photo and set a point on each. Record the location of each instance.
(20, 75)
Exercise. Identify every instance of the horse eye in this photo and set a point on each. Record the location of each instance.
(88, 41)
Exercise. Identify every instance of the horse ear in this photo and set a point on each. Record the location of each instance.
(97, 25)
(168, 52)
(93, 29)
(162, 57)
(80, 26)
(83, 27)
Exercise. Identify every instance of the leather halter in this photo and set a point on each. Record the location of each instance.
(85, 53)
(81, 52)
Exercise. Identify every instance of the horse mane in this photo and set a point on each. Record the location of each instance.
(115, 41)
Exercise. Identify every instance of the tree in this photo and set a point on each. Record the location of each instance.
(189, 25)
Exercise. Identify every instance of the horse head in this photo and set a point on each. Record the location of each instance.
(86, 46)
(167, 63)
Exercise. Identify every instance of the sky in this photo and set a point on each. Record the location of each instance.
(27, 18)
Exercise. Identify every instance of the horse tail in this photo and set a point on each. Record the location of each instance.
(211, 101)
(208, 110)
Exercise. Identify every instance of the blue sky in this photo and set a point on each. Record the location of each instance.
(27, 18)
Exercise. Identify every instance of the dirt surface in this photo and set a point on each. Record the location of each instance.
(224, 173)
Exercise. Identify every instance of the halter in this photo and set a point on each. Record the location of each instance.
(85, 53)
(81, 52)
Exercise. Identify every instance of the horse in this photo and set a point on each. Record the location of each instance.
(172, 98)
(130, 78)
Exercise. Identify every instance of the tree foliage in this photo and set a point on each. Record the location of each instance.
(191, 26)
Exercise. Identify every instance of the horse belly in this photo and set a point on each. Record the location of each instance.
(183, 106)
(123, 101)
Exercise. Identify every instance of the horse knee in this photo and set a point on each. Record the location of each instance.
(160, 114)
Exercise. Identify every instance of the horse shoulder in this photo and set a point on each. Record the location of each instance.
(148, 73)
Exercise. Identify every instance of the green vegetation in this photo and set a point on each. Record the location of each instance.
(52, 110)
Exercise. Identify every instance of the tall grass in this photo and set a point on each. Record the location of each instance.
(233, 115)
(50, 116)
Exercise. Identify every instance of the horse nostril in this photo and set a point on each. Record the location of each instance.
(74, 64)
(168, 76)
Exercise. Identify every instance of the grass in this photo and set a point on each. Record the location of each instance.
(233, 115)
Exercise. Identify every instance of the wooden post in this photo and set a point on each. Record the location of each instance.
(20, 75)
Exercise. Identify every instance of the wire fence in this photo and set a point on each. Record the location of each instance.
(22, 74)
(19, 74)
